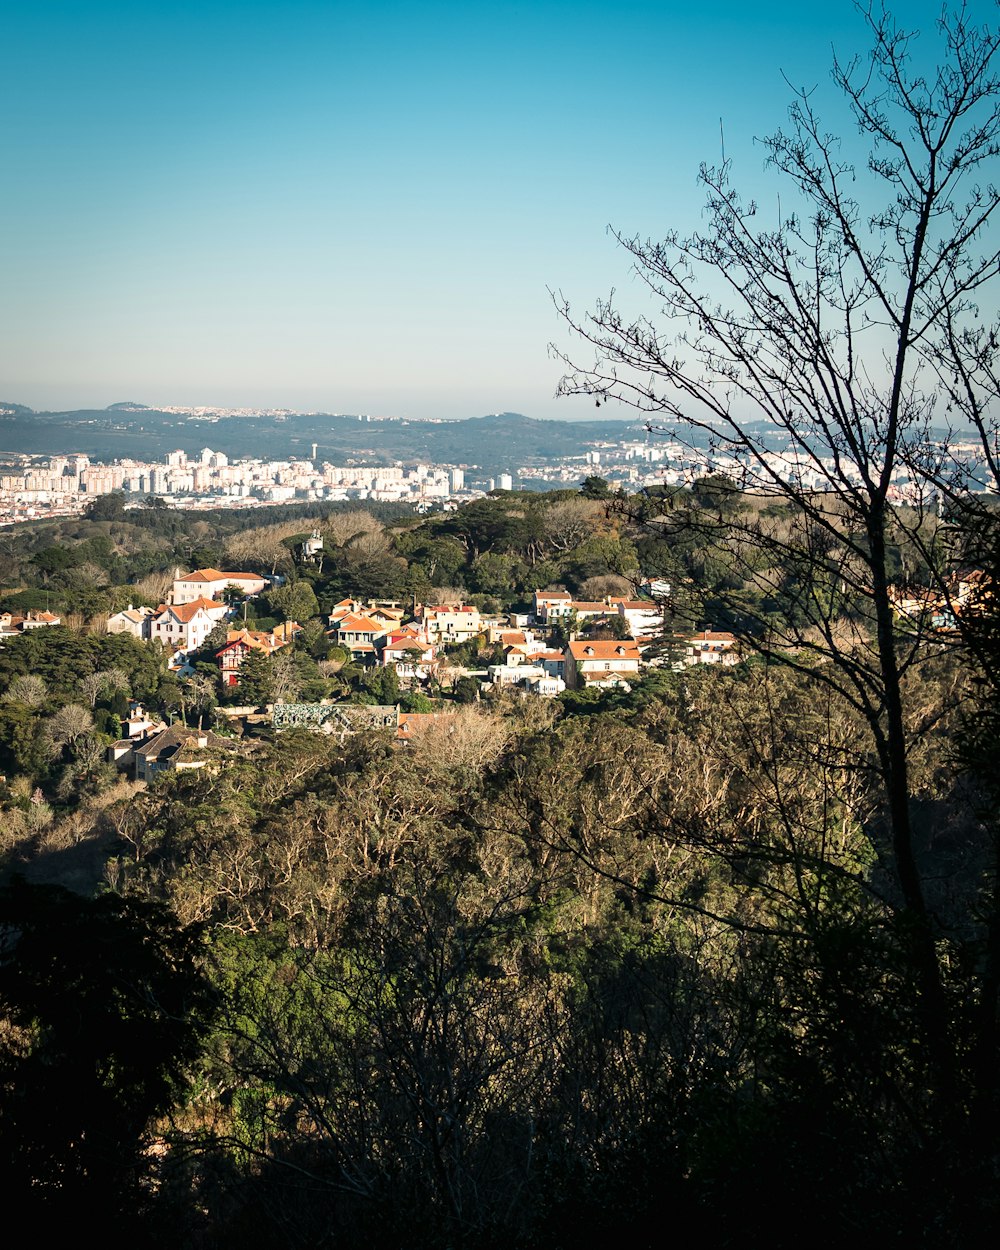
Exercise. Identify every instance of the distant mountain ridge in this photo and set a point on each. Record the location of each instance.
(495, 443)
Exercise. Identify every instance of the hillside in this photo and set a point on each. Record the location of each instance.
(495, 443)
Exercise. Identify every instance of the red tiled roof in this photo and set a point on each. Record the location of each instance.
(185, 611)
(214, 575)
(353, 622)
(605, 649)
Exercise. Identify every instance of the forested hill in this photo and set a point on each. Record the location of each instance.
(494, 443)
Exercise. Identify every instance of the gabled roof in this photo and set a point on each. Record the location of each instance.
(604, 649)
(410, 721)
(601, 679)
(407, 643)
(356, 623)
(185, 612)
(708, 635)
(215, 575)
(406, 638)
(168, 741)
(254, 640)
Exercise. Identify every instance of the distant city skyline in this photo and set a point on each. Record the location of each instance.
(340, 208)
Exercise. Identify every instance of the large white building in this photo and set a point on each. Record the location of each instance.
(185, 626)
(210, 584)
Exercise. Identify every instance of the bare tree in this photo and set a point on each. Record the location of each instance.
(94, 685)
(28, 689)
(69, 724)
(341, 527)
(285, 676)
(807, 356)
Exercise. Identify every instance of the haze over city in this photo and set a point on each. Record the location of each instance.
(360, 208)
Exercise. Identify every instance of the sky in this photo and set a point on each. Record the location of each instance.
(361, 207)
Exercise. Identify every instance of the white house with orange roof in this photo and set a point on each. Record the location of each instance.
(185, 626)
(589, 609)
(712, 647)
(450, 622)
(549, 605)
(410, 656)
(208, 583)
(15, 623)
(553, 661)
(134, 621)
(358, 634)
(601, 662)
(519, 644)
(643, 616)
(38, 620)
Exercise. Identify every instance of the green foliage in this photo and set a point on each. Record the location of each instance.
(295, 601)
(106, 508)
(415, 701)
(594, 487)
(381, 684)
(24, 749)
(63, 659)
(466, 690)
(256, 679)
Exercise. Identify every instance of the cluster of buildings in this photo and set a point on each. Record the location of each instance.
(545, 651)
(64, 485)
(662, 459)
(148, 747)
(563, 643)
(193, 611)
(12, 623)
(963, 593)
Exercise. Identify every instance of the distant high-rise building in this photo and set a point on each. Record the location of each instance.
(505, 482)
(456, 480)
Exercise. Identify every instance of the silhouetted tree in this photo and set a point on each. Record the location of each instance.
(833, 327)
(102, 1008)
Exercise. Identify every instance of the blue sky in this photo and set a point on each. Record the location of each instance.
(359, 207)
